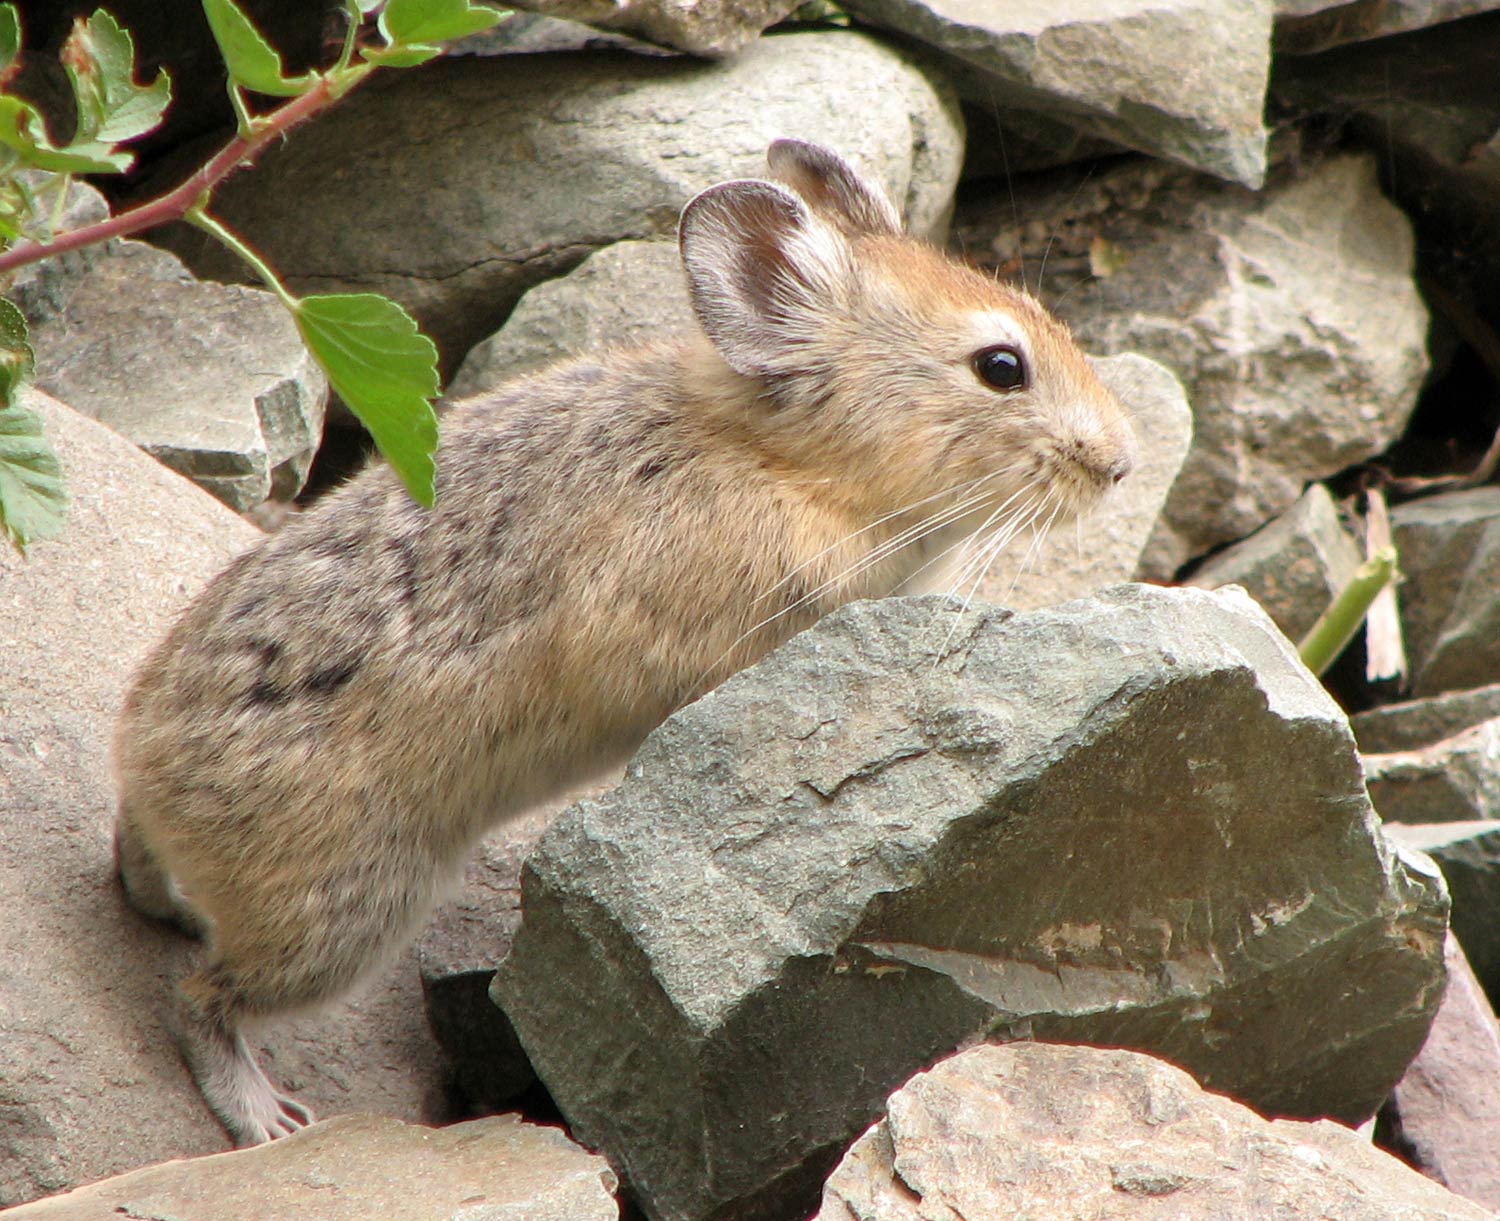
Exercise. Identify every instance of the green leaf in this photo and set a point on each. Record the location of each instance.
(413, 22)
(251, 60)
(385, 369)
(399, 57)
(22, 129)
(32, 499)
(10, 41)
(100, 61)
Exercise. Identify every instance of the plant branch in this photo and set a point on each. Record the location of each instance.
(1336, 626)
(240, 151)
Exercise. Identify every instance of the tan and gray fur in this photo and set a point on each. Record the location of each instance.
(309, 757)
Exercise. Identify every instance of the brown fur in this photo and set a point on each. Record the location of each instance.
(309, 756)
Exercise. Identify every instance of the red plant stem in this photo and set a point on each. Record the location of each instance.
(240, 151)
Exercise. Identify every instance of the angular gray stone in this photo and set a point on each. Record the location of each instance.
(1307, 26)
(492, 175)
(1444, 1114)
(910, 829)
(1290, 315)
(1294, 566)
(1456, 779)
(1104, 548)
(1469, 855)
(359, 1167)
(704, 27)
(1416, 723)
(625, 294)
(209, 378)
(1030, 1130)
(1182, 79)
(90, 1080)
(1450, 594)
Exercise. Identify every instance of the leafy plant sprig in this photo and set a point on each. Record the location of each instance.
(375, 357)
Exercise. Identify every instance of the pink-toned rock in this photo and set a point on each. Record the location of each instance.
(1445, 1113)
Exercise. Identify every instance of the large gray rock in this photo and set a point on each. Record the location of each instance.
(1290, 315)
(360, 1167)
(1030, 1130)
(1456, 779)
(1183, 79)
(1306, 26)
(1134, 819)
(704, 27)
(1415, 723)
(211, 379)
(1450, 596)
(1105, 547)
(1444, 1114)
(1294, 566)
(91, 1082)
(491, 175)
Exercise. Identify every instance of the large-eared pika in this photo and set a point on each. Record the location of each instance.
(309, 757)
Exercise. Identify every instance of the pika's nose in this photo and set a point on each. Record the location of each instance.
(1123, 464)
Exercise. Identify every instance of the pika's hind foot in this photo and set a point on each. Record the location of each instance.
(236, 1088)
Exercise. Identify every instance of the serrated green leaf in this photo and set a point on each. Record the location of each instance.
(385, 369)
(413, 22)
(99, 57)
(32, 499)
(251, 60)
(22, 129)
(399, 57)
(10, 40)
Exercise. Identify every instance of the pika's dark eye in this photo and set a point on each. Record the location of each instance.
(1001, 368)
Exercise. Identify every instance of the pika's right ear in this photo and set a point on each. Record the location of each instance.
(764, 273)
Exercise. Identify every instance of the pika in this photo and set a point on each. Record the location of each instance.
(309, 757)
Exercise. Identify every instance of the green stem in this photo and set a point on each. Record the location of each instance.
(356, 19)
(1336, 626)
(244, 121)
(199, 218)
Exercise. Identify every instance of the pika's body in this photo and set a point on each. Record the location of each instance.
(309, 757)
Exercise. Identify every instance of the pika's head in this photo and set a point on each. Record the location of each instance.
(910, 368)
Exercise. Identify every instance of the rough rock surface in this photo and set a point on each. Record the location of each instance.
(1454, 780)
(1030, 1130)
(492, 175)
(624, 294)
(1469, 855)
(704, 27)
(1306, 26)
(1450, 594)
(359, 1167)
(1133, 819)
(1293, 566)
(1290, 316)
(1134, 73)
(209, 378)
(1105, 547)
(90, 1080)
(1444, 1114)
(1416, 723)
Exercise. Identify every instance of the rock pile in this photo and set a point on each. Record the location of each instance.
(1125, 818)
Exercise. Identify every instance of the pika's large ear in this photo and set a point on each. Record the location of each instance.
(764, 273)
(832, 187)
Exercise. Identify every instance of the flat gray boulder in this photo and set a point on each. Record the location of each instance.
(1133, 819)
(494, 174)
(1031, 1130)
